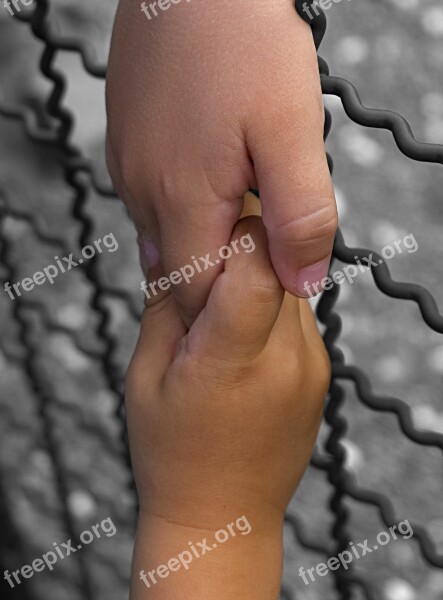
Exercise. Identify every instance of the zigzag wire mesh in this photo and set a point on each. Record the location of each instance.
(76, 166)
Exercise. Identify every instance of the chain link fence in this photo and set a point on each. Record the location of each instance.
(64, 349)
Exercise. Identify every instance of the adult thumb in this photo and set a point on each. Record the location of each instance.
(299, 209)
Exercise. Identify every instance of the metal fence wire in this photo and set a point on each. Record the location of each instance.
(53, 423)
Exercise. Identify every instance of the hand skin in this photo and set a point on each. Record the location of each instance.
(204, 102)
(222, 422)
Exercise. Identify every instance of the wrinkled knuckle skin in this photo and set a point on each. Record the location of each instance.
(264, 290)
(319, 225)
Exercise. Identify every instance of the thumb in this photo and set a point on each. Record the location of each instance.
(161, 332)
(244, 303)
(299, 209)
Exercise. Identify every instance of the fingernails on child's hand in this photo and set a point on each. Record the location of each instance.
(309, 279)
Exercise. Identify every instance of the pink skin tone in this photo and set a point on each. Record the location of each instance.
(149, 251)
(204, 102)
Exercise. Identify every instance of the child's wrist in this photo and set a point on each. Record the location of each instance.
(242, 558)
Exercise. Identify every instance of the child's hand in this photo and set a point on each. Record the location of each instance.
(222, 423)
(209, 99)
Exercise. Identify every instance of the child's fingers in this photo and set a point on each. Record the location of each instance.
(245, 300)
(162, 327)
(309, 322)
(284, 329)
(251, 206)
(161, 330)
(287, 327)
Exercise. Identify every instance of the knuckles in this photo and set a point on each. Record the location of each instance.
(319, 224)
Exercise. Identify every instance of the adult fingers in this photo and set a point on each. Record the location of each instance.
(193, 238)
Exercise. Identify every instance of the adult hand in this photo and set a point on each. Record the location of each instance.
(204, 101)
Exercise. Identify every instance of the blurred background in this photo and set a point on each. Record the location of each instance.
(64, 348)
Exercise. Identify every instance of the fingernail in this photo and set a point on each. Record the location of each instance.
(308, 281)
(150, 251)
